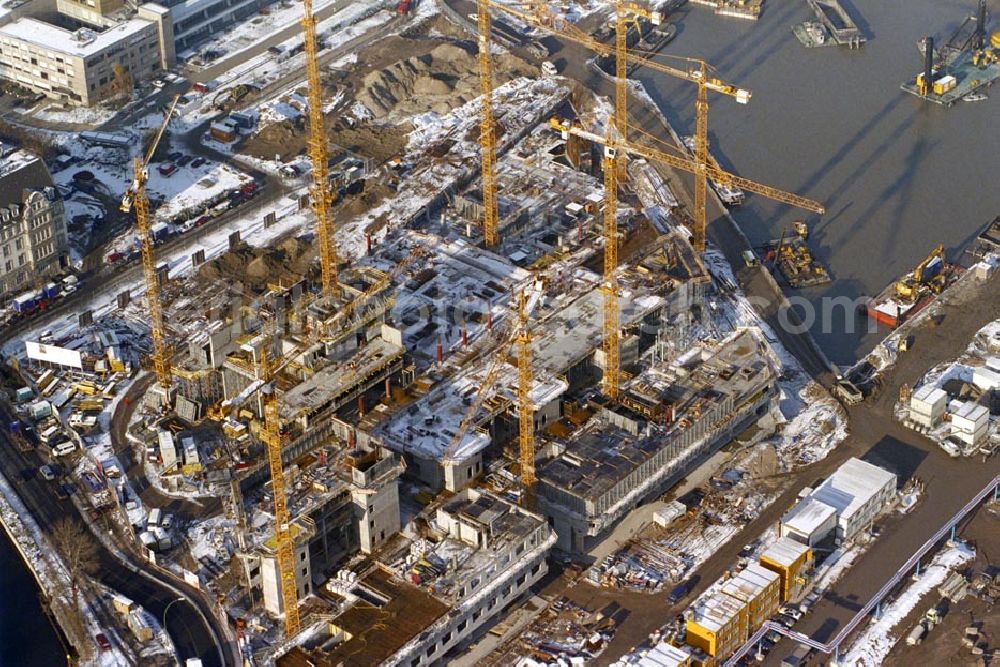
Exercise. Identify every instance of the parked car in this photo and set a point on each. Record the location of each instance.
(789, 610)
(167, 169)
(175, 156)
(785, 620)
(47, 473)
(183, 160)
(197, 162)
(102, 641)
(678, 593)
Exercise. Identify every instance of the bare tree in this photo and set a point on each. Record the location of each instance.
(121, 82)
(76, 546)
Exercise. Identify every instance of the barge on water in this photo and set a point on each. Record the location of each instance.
(729, 195)
(647, 38)
(741, 9)
(834, 22)
(968, 62)
(902, 300)
(792, 257)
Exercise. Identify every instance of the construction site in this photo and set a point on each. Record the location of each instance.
(474, 381)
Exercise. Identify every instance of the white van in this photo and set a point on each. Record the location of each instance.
(549, 68)
(64, 448)
(48, 434)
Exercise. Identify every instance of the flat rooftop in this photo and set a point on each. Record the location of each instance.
(601, 454)
(853, 485)
(428, 426)
(326, 384)
(82, 43)
(396, 614)
(808, 515)
(784, 551)
(576, 326)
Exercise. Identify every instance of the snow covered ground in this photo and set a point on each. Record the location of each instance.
(871, 647)
(184, 192)
(813, 421)
(55, 578)
(268, 68)
(245, 34)
(82, 115)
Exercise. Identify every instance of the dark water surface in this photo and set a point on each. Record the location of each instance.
(897, 175)
(26, 636)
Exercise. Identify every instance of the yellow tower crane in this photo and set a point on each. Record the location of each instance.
(136, 197)
(526, 409)
(322, 200)
(694, 70)
(714, 172)
(487, 128)
(611, 380)
(271, 435)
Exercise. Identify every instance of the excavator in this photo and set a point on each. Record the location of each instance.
(928, 274)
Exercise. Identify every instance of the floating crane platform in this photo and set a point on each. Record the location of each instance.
(968, 62)
(970, 80)
(835, 27)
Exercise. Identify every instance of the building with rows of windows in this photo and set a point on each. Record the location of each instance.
(33, 242)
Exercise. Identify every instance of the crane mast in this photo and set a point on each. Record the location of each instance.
(161, 354)
(320, 158)
(611, 380)
(271, 435)
(136, 197)
(526, 411)
(487, 127)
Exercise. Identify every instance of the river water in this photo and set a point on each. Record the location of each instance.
(26, 636)
(897, 175)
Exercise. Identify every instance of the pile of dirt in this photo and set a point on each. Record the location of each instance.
(440, 80)
(256, 267)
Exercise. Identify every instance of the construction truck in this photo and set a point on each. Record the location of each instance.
(929, 274)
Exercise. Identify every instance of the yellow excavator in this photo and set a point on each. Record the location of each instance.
(928, 273)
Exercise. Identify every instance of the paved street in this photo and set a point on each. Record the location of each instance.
(191, 637)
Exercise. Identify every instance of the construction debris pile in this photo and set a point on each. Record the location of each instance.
(567, 634)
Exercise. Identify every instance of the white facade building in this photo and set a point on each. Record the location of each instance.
(969, 422)
(82, 66)
(858, 491)
(927, 405)
(33, 241)
(809, 521)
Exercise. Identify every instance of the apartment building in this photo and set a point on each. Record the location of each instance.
(32, 224)
(84, 66)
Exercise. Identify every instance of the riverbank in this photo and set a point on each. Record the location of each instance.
(23, 611)
(48, 571)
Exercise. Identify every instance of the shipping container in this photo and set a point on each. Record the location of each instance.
(24, 303)
(51, 290)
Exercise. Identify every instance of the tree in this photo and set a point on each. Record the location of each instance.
(121, 82)
(75, 545)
